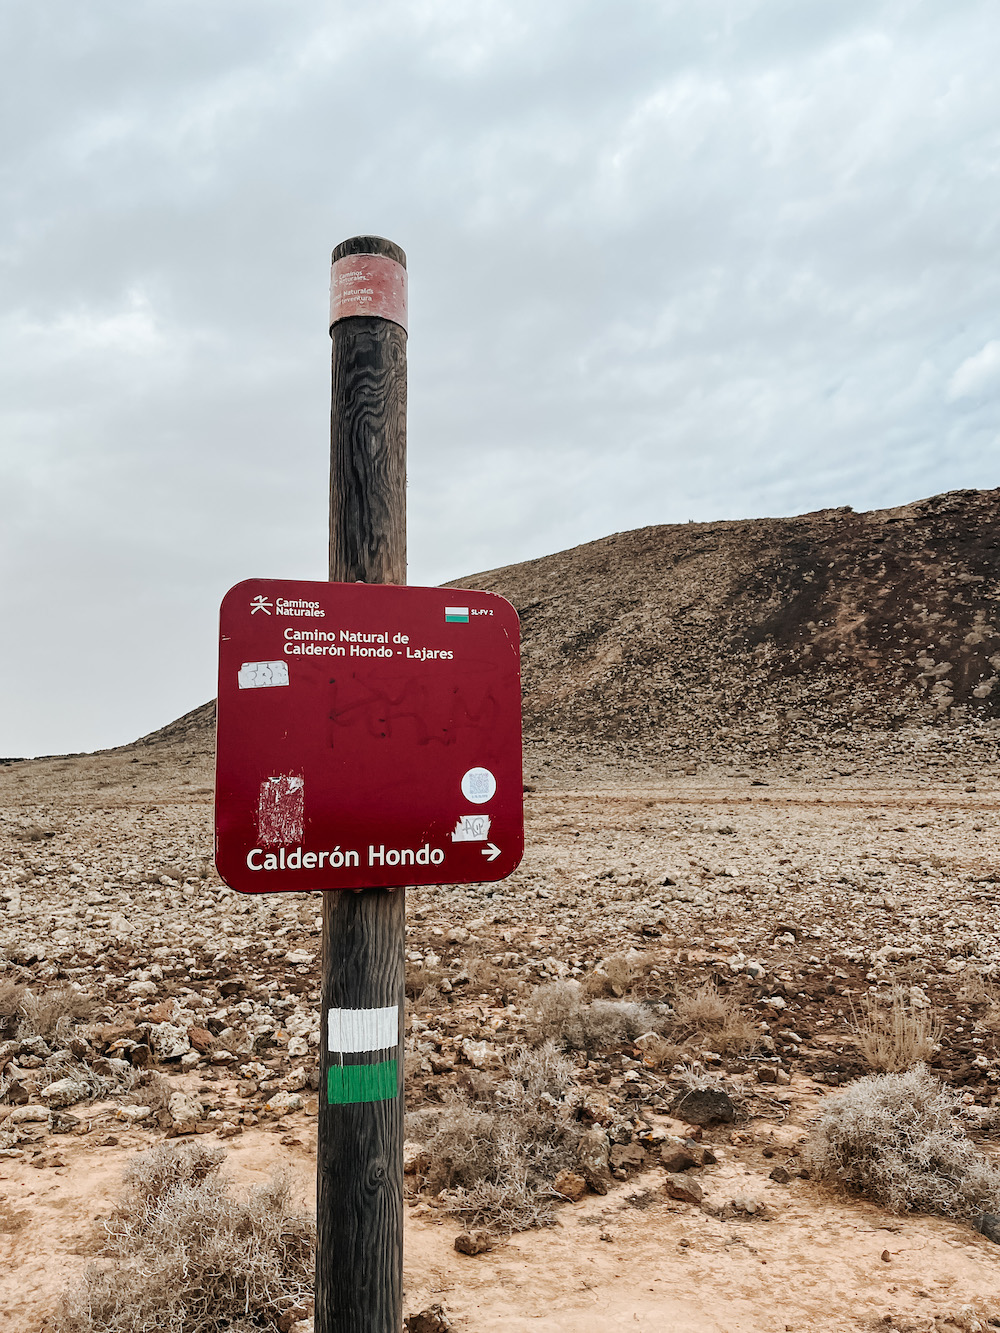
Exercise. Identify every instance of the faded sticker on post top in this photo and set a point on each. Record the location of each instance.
(479, 786)
(258, 675)
(281, 810)
(472, 828)
(368, 285)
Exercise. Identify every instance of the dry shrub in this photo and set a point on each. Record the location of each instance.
(480, 974)
(896, 1035)
(192, 1259)
(489, 1171)
(151, 1089)
(52, 1014)
(990, 1021)
(152, 1176)
(493, 1157)
(895, 1139)
(615, 975)
(11, 1000)
(702, 1008)
(117, 1083)
(978, 990)
(421, 982)
(719, 1018)
(660, 1053)
(535, 1073)
(560, 1012)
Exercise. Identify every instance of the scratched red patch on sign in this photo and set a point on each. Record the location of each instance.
(281, 810)
(367, 735)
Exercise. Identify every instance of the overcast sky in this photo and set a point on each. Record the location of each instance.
(668, 260)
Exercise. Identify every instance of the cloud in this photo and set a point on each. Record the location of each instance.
(977, 374)
(666, 262)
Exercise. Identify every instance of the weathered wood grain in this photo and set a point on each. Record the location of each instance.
(369, 245)
(359, 1260)
(368, 452)
(359, 1197)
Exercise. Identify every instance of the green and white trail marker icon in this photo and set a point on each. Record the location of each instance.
(363, 1040)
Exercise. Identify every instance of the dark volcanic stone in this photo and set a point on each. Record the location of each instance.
(704, 1106)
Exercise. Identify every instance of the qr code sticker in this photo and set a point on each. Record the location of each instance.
(479, 785)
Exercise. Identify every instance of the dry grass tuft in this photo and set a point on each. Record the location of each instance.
(95, 1085)
(560, 1012)
(53, 1013)
(493, 1157)
(479, 975)
(659, 1052)
(192, 1259)
(150, 1089)
(422, 984)
(615, 975)
(11, 1000)
(702, 1008)
(895, 1035)
(719, 1018)
(977, 990)
(895, 1139)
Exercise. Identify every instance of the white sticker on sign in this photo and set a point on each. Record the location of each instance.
(353, 1030)
(472, 828)
(258, 675)
(479, 786)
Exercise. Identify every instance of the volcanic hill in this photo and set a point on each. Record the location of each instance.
(776, 628)
(758, 637)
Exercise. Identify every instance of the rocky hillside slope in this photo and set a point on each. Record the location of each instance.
(760, 637)
(771, 629)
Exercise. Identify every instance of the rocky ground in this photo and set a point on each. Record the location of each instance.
(800, 889)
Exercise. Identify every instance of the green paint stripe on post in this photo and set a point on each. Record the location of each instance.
(346, 1085)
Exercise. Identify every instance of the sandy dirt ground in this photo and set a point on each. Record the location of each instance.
(631, 1259)
(803, 894)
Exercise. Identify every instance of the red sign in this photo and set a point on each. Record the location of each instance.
(368, 735)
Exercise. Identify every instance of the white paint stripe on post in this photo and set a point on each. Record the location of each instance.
(351, 1030)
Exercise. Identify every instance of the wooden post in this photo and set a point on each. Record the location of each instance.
(359, 1195)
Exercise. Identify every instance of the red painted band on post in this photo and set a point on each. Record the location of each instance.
(368, 285)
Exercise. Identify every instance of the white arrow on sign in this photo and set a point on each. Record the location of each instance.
(491, 851)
